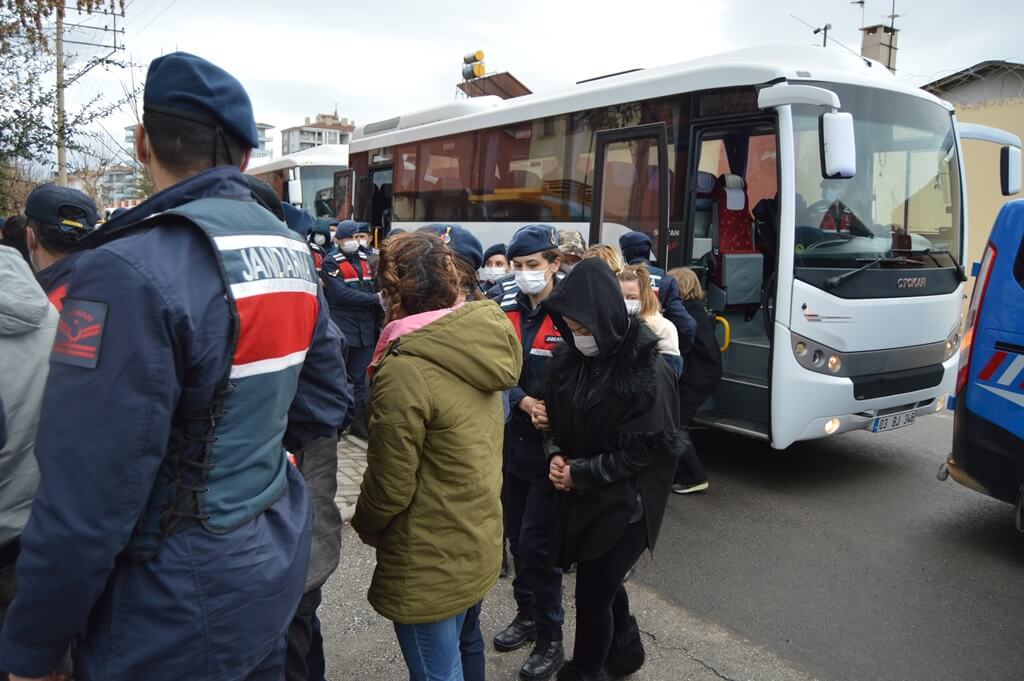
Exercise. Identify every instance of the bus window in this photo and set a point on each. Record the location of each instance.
(630, 190)
(521, 173)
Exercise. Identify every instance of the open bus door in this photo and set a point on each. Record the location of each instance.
(631, 186)
(344, 183)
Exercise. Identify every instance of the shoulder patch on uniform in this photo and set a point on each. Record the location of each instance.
(79, 333)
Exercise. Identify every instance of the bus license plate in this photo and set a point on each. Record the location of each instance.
(893, 421)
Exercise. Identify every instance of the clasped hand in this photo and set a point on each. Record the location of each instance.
(559, 473)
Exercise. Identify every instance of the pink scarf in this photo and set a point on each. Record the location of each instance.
(400, 327)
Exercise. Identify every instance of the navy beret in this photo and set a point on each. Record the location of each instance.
(532, 239)
(493, 250)
(184, 85)
(349, 228)
(298, 220)
(46, 202)
(461, 241)
(635, 245)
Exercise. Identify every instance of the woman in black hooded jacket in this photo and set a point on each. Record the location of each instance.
(613, 437)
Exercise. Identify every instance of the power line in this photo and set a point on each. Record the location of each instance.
(160, 14)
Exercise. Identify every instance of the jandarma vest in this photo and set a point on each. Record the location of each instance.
(225, 463)
(361, 278)
(548, 336)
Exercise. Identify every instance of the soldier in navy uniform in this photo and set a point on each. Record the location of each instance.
(58, 219)
(169, 535)
(527, 494)
(356, 309)
(636, 250)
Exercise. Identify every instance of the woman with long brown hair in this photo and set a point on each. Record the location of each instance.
(430, 498)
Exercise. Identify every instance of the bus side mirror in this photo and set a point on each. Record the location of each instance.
(1009, 170)
(295, 192)
(838, 147)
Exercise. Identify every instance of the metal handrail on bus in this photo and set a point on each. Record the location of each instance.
(728, 332)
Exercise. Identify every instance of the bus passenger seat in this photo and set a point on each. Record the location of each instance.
(739, 271)
(735, 227)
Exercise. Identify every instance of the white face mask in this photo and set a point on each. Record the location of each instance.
(587, 345)
(363, 243)
(532, 283)
(632, 307)
(349, 247)
(492, 273)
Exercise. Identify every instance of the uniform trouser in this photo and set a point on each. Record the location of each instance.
(300, 637)
(471, 646)
(357, 359)
(537, 588)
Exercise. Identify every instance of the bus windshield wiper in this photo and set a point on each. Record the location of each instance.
(932, 252)
(833, 283)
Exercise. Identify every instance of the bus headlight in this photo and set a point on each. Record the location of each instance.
(832, 425)
(952, 344)
(819, 358)
(835, 364)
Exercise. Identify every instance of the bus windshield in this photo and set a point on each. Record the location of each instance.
(907, 184)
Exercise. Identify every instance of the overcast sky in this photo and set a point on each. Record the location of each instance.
(378, 58)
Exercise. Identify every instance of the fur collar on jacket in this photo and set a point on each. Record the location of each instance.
(632, 368)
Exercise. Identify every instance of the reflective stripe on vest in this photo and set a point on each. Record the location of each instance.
(350, 275)
(271, 287)
(547, 337)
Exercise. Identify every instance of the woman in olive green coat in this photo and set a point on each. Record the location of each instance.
(430, 499)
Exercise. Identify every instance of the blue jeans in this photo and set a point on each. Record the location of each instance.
(431, 650)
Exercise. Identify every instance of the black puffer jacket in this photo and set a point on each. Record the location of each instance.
(615, 416)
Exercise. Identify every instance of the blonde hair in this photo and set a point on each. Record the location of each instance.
(689, 283)
(649, 305)
(608, 254)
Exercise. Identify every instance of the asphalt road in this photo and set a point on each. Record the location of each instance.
(848, 559)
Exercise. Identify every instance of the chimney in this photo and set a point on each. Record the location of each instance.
(879, 43)
(307, 120)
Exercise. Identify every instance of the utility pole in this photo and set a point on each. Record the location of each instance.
(62, 152)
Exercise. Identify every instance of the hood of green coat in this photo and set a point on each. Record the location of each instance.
(476, 343)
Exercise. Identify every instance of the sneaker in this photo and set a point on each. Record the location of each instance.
(679, 488)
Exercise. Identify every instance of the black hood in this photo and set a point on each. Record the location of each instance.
(591, 296)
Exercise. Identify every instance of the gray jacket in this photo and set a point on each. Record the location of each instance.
(28, 323)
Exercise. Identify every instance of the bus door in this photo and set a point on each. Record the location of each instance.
(631, 186)
(343, 185)
(733, 207)
(375, 201)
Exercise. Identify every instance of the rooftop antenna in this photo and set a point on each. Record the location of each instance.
(892, 31)
(816, 30)
(823, 30)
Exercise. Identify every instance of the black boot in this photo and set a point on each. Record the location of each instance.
(521, 631)
(358, 427)
(570, 672)
(545, 660)
(626, 654)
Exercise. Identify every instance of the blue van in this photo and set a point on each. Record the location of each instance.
(988, 431)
